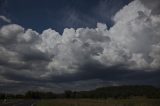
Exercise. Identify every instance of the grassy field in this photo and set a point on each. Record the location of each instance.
(100, 102)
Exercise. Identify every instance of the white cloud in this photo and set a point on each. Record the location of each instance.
(137, 30)
(131, 11)
(155, 54)
(5, 19)
(138, 62)
(28, 36)
(49, 39)
(10, 32)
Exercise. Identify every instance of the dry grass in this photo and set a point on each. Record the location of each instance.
(99, 102)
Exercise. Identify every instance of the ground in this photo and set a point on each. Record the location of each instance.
(99, 102)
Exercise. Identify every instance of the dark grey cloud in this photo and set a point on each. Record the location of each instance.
(154, 5)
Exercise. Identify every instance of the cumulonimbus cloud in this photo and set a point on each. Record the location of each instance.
(132, 42)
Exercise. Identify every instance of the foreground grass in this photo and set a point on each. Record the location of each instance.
(99, 102)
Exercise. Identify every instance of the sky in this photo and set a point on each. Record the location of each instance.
(59, 14)
(57, 45)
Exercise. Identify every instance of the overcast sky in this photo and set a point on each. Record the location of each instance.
(56, 45)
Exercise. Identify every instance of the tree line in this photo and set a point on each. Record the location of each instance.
(116, 92)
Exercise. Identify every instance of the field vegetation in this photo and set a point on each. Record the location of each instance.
(100, 102)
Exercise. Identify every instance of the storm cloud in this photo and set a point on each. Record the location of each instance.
(128, 52)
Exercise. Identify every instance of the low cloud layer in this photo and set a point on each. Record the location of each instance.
(127, 51)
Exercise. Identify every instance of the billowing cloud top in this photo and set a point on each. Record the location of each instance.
(131, 44)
